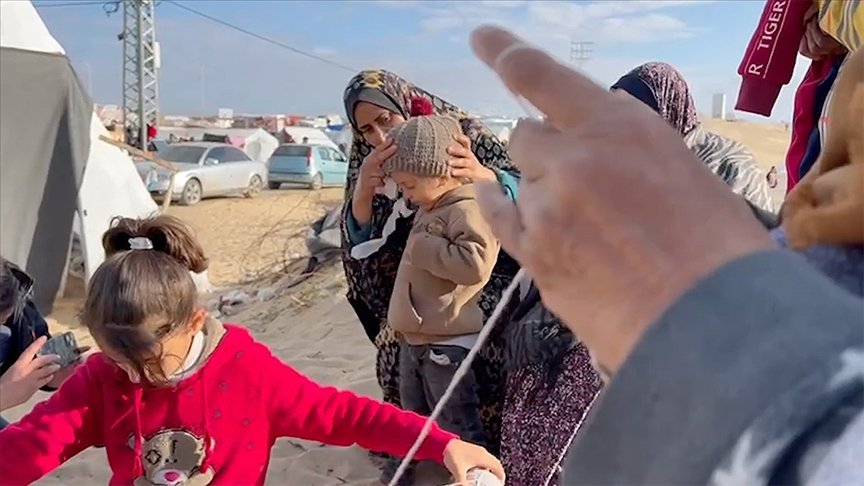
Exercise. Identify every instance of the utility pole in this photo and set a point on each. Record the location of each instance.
(580, 52)
(140, 67)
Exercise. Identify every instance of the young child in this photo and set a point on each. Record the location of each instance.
(178, 398)
(447, 261)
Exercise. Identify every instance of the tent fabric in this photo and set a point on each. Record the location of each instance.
(56, 176)
(111, 187)
(256, 142)
(22, 28)
(44, 124)
(314, 135)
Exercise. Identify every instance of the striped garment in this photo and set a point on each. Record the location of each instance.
(842, 20)
(733, 163)
(663, 88)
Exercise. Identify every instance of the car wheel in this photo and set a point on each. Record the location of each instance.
(274, 185)
(317, 182)
(191, 193)
(255, 186)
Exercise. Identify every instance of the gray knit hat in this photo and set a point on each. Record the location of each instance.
(422, 143)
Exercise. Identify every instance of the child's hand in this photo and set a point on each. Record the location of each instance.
(460, 457)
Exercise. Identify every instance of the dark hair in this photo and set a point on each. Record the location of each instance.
(139, 296)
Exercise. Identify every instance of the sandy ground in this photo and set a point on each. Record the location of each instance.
(251, 244)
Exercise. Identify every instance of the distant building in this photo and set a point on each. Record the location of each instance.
(718, 106)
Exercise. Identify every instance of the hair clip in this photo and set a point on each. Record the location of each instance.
(140, 243)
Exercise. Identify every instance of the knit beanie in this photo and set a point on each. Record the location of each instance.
(422, 143)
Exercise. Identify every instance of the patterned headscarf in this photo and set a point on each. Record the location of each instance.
(662, 87)
(371, 279)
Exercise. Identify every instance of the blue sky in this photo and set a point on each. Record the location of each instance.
(206, 66)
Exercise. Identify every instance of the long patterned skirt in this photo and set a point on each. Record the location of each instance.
(545, 403)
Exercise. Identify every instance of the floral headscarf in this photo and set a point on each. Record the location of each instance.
(662, 87)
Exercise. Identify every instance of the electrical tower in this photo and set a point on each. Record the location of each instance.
(140, 68)
(580, 52)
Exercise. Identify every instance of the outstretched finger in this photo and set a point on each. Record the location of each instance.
(565, 96)
(502, 215)
(30, 353)
(528, 135)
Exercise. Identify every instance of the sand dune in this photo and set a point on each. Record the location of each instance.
(310, 325)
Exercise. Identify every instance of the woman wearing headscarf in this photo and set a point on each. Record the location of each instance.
(377, 220)
(664, 90)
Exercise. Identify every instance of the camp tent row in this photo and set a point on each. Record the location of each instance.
(56, 176)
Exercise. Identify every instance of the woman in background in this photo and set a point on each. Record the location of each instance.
(377, 221)
(664, 90)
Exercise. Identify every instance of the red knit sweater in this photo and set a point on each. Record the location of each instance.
(219, 423)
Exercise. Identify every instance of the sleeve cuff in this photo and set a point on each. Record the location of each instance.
(356, 233)
(508, 182)
(757, 96)
(435, 445)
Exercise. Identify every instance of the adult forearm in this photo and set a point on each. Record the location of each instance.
(361, 208)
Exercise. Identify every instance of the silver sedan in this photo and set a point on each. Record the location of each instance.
(205, 169)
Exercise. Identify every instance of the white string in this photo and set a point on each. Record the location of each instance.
(457, 376)
(566, 448)
(518, 279)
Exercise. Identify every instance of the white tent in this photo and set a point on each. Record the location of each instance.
(314, 135)
(256, 142)
(75, 185)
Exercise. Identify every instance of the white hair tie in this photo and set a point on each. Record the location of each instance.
(140, 243)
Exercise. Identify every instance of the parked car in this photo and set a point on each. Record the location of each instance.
(206, 169)
(312, 165)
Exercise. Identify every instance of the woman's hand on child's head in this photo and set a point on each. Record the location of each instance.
(464, 164)
(460, 457)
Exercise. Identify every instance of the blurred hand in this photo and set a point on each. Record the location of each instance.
(371, 175)
(816, 44)
(64, 373)
(27, 375)
(460, 457)
(615, 217)
(464, 163)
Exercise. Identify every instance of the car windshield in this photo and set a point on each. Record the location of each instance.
(182, 154)
(291, 151)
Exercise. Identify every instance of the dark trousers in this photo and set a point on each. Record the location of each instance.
(424, 374)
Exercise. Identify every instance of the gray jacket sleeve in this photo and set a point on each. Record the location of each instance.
(749, 378)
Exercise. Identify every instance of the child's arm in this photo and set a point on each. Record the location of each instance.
(303, 409)
(464, 254)
(52, 433)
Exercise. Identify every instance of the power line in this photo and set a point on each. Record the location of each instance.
(70, 4)
(261, 37)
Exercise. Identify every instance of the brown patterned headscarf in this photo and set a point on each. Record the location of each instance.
(661, 87)
(371, 279)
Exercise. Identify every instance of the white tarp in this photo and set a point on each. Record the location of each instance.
(111, 187)
(314, 135)
(22, 28)
(257, 143)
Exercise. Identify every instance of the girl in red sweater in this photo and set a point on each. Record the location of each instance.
(177, 398)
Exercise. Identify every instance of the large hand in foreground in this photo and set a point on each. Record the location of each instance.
(615, 218)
